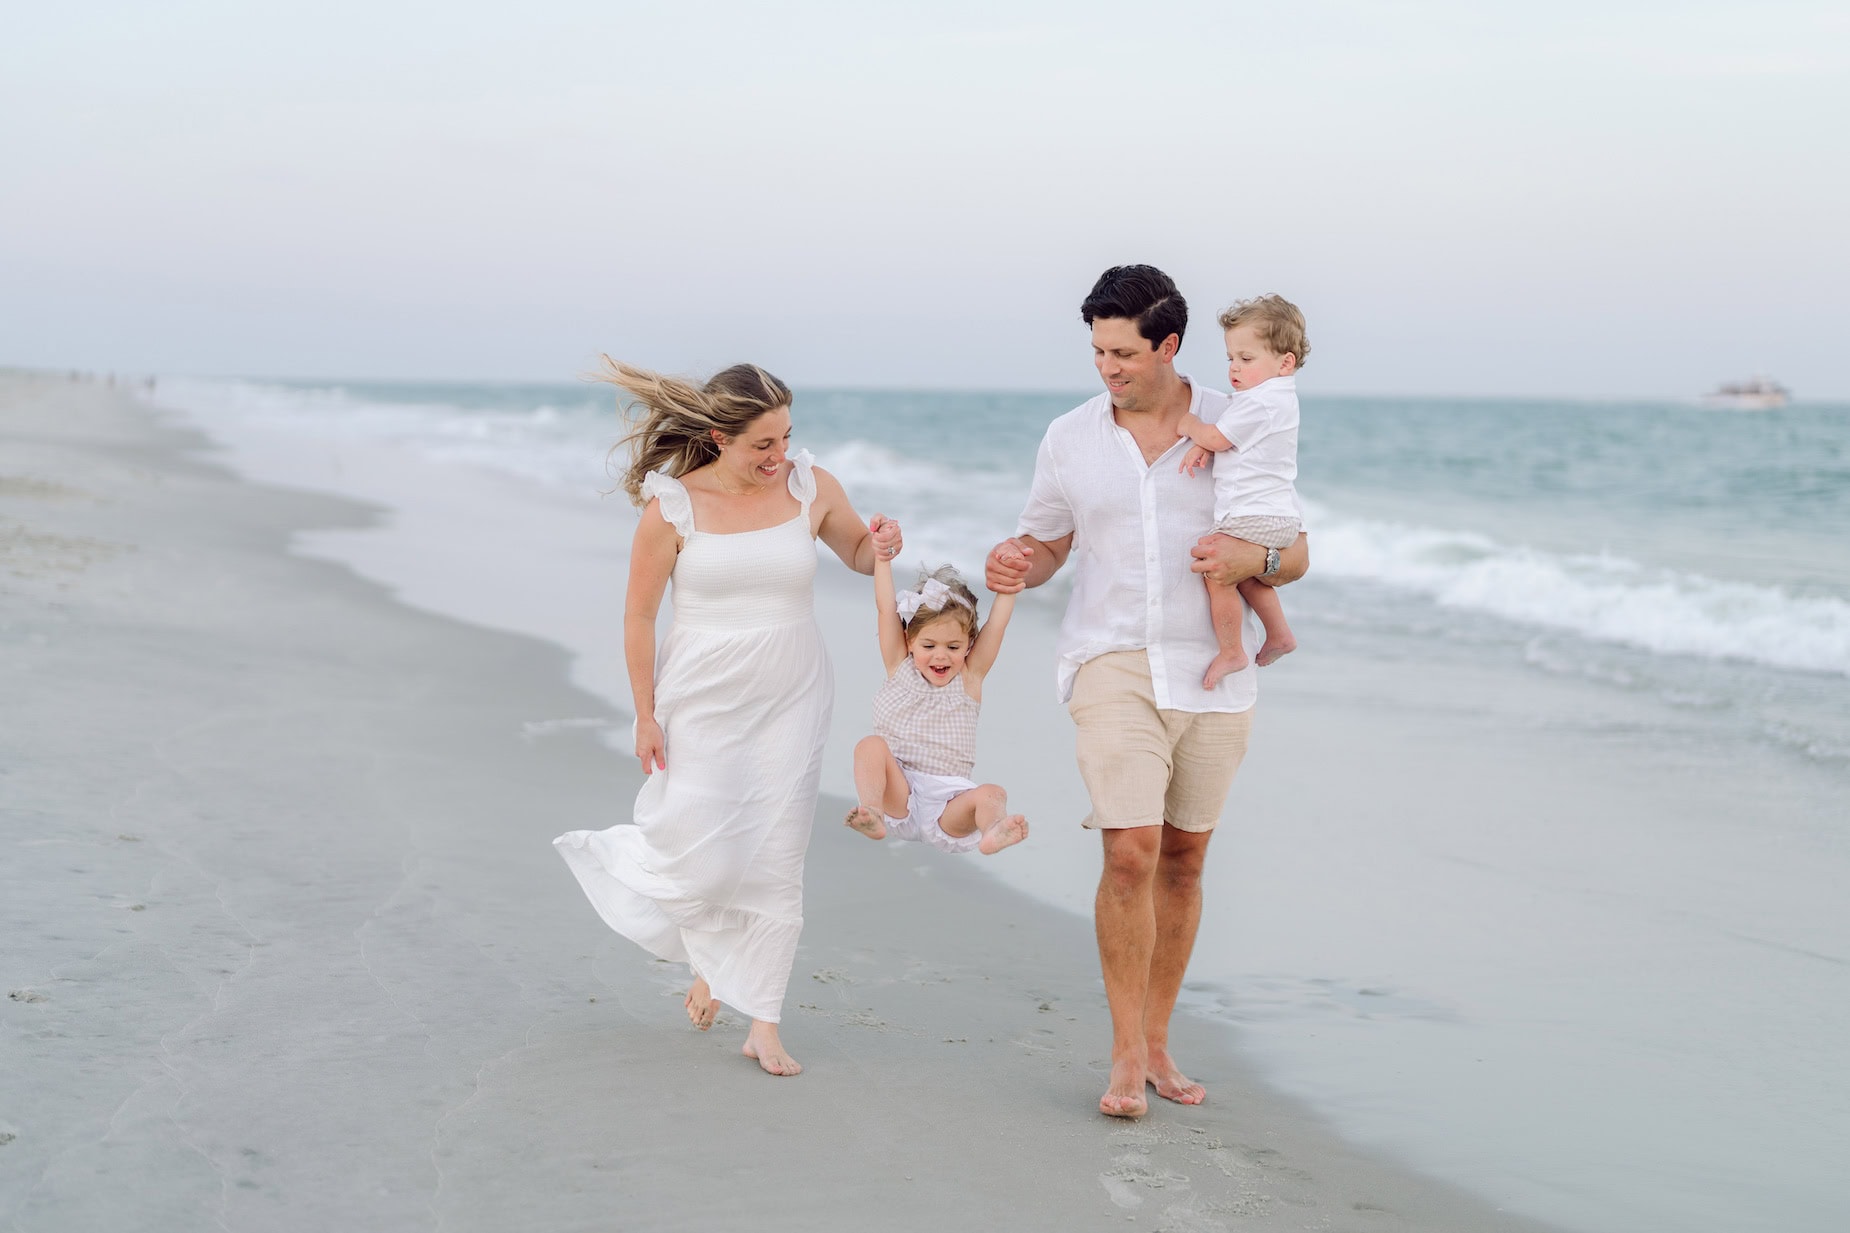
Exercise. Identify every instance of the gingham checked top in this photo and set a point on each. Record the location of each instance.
(930, 728)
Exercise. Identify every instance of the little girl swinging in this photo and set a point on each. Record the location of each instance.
(912, 776)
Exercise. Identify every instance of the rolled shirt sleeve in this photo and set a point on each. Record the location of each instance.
(1048, 515)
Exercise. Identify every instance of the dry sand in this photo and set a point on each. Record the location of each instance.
(287, 946)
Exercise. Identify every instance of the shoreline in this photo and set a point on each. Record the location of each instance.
(1430, 949)
(286, 863)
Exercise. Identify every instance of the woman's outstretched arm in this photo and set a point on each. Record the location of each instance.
(843, 531)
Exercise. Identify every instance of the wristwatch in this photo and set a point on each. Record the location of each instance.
(1271, 563)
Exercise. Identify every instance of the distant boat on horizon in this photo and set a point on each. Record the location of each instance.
(1757, 394)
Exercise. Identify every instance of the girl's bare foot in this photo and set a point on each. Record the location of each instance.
(702, 1009)
(1276, 648)
(763, 1047)
(1226, 663)
(867, 821)
(1003, 833)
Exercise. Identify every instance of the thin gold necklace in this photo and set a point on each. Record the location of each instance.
(737, 492)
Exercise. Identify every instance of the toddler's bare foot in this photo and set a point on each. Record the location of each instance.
(702, 1008)
(764, 1048)
(1125, 1098)
(1225, 663)
(1005, 833)
(867, 821)
(1276, 648)
(1170, 1083)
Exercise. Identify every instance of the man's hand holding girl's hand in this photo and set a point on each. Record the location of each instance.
(1006, 570)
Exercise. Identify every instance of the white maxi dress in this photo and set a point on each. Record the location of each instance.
(711, 874)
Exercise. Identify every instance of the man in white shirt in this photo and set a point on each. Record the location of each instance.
(1156, 749)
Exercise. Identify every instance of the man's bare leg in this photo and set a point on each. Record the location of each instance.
(1228, 612)
(1279, 640)
(763, 1047)
(1125, 916)
(1177, 898)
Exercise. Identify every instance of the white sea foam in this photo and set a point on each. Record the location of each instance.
(954, 507)
(1603, 598)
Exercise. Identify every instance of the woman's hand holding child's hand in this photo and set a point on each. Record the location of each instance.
(887, 538)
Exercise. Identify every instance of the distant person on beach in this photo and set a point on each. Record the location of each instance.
(912, 776)
(1254, 450)
(731, 718)
(1157, 749)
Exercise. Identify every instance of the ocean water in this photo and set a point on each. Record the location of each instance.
(1571, 930)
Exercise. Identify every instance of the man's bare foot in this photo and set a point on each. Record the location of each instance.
(1006, 833)
(1226, 663)
(764, 1048)
(867, 821)
(1125, 1098)
(1161, 1073)
(702, 1009)
(1276, 649)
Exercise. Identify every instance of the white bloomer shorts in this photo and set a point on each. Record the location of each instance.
(930, 794)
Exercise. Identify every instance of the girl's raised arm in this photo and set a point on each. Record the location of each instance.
(886, 608)
(989, 639)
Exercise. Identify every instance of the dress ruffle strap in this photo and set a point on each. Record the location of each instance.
(803, 477)
(676, 506)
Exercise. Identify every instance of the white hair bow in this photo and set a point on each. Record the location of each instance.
(931, 594)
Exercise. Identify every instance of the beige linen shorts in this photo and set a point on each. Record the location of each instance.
(1265, 530)
(1143, 766)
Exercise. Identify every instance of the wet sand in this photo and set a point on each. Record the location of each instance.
(288, 946)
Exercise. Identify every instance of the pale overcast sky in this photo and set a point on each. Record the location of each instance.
(1574, 198)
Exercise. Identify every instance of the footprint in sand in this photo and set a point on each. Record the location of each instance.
(1133, 1175)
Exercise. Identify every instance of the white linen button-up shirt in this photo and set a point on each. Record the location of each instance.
(1133, 525)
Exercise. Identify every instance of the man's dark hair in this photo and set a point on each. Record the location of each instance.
(1142, 293)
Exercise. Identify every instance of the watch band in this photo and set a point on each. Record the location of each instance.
(1271, 563)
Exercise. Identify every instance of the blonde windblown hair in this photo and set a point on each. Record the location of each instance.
(672, 421)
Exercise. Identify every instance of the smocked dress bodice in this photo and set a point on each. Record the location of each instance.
(930, 728)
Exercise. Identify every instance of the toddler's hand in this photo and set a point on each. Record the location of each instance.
(1197, 457)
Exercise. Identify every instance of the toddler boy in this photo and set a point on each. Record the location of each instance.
(1254, 447)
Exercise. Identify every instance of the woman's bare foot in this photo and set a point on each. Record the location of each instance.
(1276, 648)
(1125, 1098)
(1226, 663)
(1003, 833)
(1161, 1073)
(867, 821)
(702, 1009)
(763, 1047)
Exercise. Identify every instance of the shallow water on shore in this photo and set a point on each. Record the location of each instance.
(1533, 876)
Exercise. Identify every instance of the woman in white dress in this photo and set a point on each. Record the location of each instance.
(732, 714)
